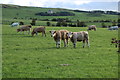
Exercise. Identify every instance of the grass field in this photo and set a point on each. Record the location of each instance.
(37, 57)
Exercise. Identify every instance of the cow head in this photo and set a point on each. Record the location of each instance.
(18, 30)
(69, 34)
(32, 33)
(52, 33)
(29, 26)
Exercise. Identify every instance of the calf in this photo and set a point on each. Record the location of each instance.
(79, 36)
(39, 30)
(116, 42)
(60, 35)
(24, 28)
(92, 27)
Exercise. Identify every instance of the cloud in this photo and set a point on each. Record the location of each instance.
(70, 4)
(105, 0)
(78, 2)
(41, 3)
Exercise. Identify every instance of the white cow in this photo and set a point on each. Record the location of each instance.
(79, 36)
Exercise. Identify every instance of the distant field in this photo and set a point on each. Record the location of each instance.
(43, 23)
(37, 57)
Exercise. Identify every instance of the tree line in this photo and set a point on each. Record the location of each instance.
(99, 11)
(62, 13)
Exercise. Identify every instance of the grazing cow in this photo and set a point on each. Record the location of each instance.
(24, 28)
(92, 27)
(60, 35)
(117, 43)
(113, 28)
(14, 24)
(79, 36)
(39, 30)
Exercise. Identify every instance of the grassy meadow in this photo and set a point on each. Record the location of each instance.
(37, 57)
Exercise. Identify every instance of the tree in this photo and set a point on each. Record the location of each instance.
(114, 23)
(48, 23)
(58, 23)
(33, 22)
(103, 25)
(64, 23)
(21, 23)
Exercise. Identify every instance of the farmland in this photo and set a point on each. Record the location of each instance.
(24, 56)
(37, 57)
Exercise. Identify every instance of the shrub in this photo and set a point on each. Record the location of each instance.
(48, 23)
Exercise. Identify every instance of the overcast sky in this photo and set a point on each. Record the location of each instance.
(69, 4)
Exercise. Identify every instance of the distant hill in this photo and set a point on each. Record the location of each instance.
(13, 13)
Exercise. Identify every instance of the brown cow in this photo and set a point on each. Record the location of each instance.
(79, 36)
(60, 35)
(92, 27)
(24, 28)
(39, 30)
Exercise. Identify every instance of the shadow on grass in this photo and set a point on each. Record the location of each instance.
(42, 48)
(20, 35)
(27, 36)
(12, 34)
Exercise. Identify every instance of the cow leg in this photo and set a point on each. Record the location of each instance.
(83, 43)
(67, 42)
(36, 33)
(24, 32)
(29, 32)
(58, 44)
(87, 41)
(44, 33)
(64, 43)
(20, 31)
(74, 45)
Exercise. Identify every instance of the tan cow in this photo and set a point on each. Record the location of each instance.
(60, 35)
(92, 27)
(79, 36)
(39, 30)
(24, 28)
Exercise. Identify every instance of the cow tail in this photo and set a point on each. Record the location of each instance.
(87, 36)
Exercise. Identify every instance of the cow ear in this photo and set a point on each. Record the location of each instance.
(54, 31)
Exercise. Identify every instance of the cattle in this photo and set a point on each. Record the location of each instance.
(39, 30)
(113, 28)
(59, 35)
(92, 27)
(24, 28)
(116, 43)
(14, 24)
(79, 36)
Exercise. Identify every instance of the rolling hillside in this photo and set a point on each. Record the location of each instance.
(22, 13)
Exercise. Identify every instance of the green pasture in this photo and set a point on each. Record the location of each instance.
(24, 56)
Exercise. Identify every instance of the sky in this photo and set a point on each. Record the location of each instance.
(68, 4)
